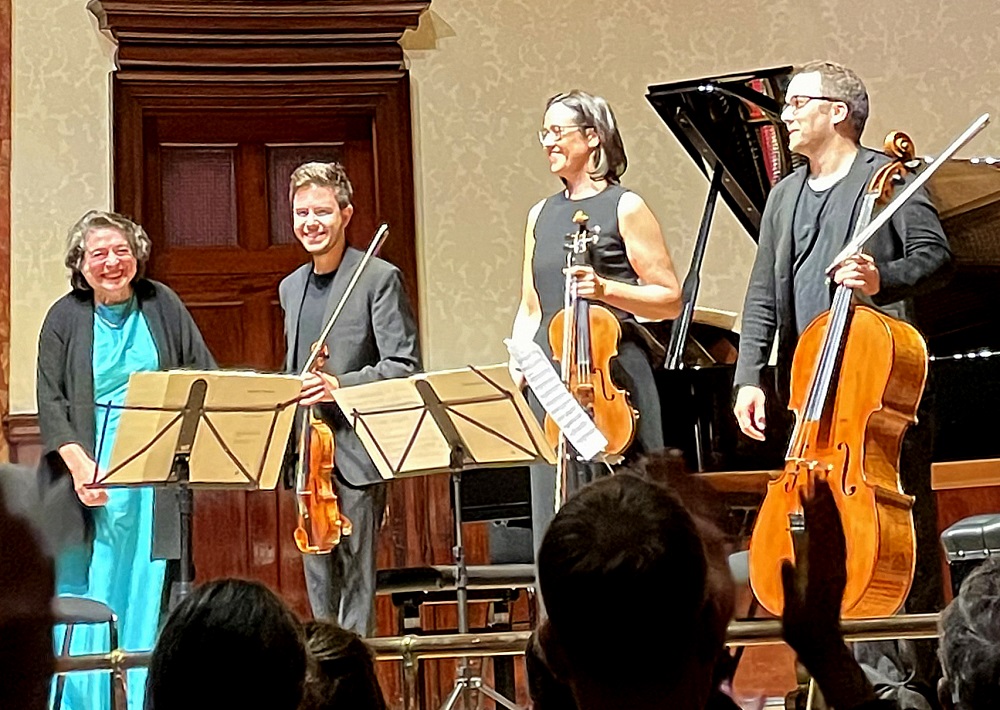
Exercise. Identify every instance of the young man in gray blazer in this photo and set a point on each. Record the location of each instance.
(374, 338)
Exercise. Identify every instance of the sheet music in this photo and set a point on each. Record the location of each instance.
(245, 431)
(388, 417)
(492, 419)
(555, 399)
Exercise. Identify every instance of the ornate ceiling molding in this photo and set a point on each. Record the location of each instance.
(250, 35)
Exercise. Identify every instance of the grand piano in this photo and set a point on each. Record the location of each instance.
(729, 125)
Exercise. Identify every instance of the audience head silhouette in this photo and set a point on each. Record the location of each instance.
(342, 671)
(628, 587)
(231, 643)
(970, 642)
(27, 584)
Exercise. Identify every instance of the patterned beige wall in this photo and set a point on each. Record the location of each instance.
(483, 70)
(481, 73)
(60, 165)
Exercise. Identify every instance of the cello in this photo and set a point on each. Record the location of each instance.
(857, 377)
(321, 524)
(584, 338)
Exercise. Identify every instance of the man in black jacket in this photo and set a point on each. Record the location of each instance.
(808, 219)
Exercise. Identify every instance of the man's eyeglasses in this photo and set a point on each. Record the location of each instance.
(797, 103)
(557, 132)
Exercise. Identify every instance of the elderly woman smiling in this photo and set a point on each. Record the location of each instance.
(114, 322)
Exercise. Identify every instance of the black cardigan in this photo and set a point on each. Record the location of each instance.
(65, 390)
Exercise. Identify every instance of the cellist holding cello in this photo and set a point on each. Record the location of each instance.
(808, 219)
(373, 337)
(629, 270)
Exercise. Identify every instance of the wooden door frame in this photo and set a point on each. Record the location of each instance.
(191, 55)
(6, 71)
(385, 100)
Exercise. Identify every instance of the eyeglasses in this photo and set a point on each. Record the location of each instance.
(557, 132)
(797, 103)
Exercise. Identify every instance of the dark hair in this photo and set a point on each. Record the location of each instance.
(27, 585)
(342, 671)
(631, 546)
(231, 643)
(595, 113)
(840, 83)
(76, 243)
(544, 689)
(970, 639)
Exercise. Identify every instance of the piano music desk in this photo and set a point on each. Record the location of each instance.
(961, 489)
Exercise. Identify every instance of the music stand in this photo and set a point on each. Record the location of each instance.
(239, 415)
(448, 422)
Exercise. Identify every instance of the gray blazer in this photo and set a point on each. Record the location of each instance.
(374, 338)
(65, 392)
(911, 253)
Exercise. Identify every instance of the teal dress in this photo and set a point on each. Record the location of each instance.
(119, 571)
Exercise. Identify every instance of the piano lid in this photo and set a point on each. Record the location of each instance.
(734, 119)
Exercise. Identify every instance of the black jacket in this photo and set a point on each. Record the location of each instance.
(65, 392)
(911, 252)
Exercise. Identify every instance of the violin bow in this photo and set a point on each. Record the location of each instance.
(376, 244)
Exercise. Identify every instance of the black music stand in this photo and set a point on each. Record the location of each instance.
(161, 405)
(457, 420)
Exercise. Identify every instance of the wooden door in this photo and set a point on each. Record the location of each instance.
(216, 207)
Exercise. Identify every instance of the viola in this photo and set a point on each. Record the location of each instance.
(584, 339)
(856, 380)
(321, 523)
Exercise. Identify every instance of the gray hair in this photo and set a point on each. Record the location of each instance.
(331, 175)
(840, 83)
(970, 639)
(595, 113)
(76, 243)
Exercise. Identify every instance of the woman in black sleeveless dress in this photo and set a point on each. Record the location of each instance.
(631, 274)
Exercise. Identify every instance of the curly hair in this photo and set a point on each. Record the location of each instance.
(76, 243)
(970, 639)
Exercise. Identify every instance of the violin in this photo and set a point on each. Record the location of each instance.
(856, 381)
(584, 339)
(321, 523)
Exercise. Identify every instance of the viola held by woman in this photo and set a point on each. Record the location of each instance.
(584, 338)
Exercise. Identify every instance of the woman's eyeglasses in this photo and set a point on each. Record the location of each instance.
(557, 132)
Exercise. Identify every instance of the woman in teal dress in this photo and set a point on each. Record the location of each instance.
(112, 324)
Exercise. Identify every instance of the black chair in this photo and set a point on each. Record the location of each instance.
(76, 611)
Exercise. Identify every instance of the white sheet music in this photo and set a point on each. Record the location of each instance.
(555, 399)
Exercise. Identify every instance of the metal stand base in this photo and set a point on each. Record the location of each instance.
(465, 681)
